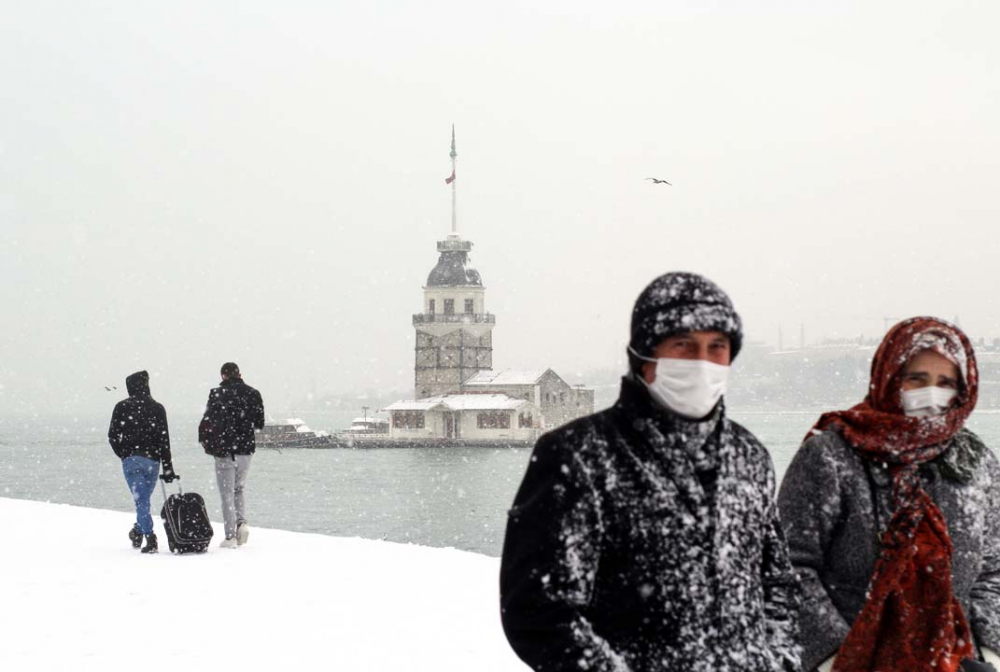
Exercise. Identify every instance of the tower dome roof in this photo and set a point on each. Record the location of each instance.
(453, 268)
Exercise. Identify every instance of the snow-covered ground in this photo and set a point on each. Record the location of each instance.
(75, 596)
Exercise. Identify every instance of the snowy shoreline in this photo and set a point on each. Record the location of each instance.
(78, 597)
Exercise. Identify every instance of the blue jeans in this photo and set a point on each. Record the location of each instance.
(140, 474)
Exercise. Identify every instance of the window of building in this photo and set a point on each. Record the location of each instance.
(470, 306)
(562, 397)
(524, 420)
(408, 419)
(493, 420)
(449, 306)
(430, 308)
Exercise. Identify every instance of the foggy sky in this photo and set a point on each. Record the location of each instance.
(182, 185)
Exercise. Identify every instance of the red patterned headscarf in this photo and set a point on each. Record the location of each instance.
(910, 620)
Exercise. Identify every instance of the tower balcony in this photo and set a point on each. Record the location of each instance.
(454, 244)
(457, 318)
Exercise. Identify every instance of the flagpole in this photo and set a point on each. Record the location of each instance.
(454, 207)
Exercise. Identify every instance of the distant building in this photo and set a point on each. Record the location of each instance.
(457, 394)
(464, 416)
(557, 401)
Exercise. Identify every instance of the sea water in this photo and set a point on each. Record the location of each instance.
(450, 497)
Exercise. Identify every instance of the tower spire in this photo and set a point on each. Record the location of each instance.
(454, 207)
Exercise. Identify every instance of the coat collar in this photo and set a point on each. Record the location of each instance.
(681, 447)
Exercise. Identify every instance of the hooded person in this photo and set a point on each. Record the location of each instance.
(892, 515)
(645, 537)
(138, 434)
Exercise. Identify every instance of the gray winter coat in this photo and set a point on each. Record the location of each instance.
(835, 505)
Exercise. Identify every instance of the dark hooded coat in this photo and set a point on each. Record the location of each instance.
(139, 424)
(233, 411)
(641, 541)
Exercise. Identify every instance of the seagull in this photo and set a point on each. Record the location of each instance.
(656, 181)
(113, 387)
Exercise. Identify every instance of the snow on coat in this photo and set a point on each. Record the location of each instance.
(233, 411)
(641, 541)
(139, 424)
(835, 505)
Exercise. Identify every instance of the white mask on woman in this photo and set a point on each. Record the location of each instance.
(688, 387)
(926, 402)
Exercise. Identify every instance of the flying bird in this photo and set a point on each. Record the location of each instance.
(113, 387)
(656, 181)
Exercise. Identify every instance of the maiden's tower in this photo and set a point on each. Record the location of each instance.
(457, 394)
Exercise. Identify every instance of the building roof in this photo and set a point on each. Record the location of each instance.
(417, 405)
(506, 377)
(453, 269)
(482, 402)
(460, 402)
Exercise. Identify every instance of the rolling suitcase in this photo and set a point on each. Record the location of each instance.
(186, 522)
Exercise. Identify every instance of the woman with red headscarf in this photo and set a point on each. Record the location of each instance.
(892, 515)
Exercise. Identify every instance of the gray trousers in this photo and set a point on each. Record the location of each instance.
(231, 475)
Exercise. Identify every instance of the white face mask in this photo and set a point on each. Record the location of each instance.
(688, 387)
(926, 402)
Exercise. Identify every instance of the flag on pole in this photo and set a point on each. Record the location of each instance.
(449, 180)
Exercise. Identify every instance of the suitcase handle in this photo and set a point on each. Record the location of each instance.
(163, 487)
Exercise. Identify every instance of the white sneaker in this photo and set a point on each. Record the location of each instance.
(229, 543)
(242, 533)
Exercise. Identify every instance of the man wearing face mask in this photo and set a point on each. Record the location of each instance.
(645, 537)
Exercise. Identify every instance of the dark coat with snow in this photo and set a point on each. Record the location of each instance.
(233, 411)
(641, 541)
(835, 505)
(139, 424)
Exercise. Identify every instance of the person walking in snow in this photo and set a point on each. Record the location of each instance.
(226, 433)
(138, 434)
(892, 514)
(646, 537)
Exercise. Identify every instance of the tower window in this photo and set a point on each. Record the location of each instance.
(470, 306)
(430, 307)
(449, 306)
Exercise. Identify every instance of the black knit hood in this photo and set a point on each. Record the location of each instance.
(138, 384)
(678, 303)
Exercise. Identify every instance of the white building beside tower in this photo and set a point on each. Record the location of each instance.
(457, 394)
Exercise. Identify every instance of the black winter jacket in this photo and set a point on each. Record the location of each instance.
(641, 541)
(233, 411)
(139, 424)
